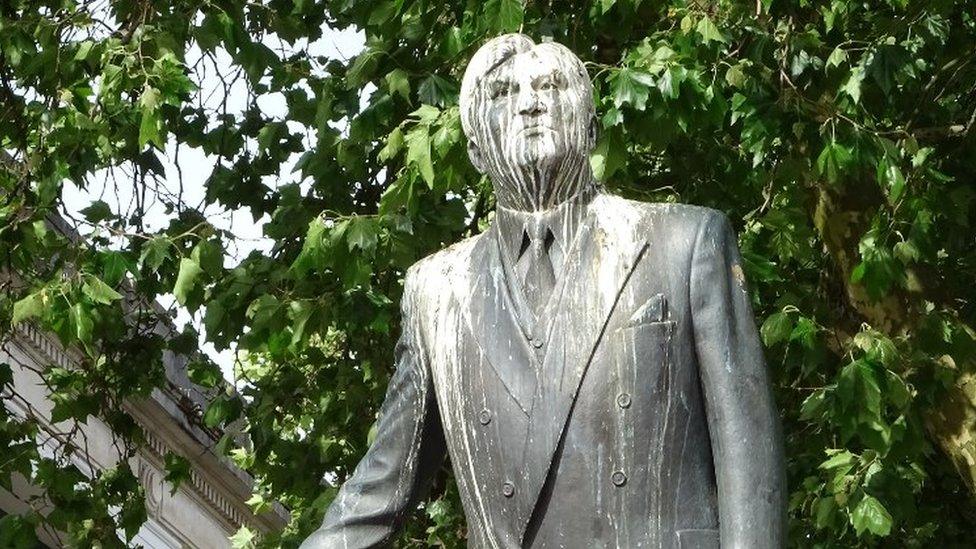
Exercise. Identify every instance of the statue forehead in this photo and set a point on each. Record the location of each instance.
(544, 57)
(528, 63)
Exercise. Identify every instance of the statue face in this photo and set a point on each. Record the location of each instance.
(527, 111)
(535, 112)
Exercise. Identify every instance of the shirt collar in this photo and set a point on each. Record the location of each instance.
(563, 220)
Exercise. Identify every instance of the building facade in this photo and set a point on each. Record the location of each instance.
(203, 512)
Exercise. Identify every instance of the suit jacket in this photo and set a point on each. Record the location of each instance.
(636, 413)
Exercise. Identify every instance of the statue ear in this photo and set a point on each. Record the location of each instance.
(477, 158)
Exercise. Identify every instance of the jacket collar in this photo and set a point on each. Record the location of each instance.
(564, 220)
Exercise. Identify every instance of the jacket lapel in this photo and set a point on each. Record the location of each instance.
(600, 264)
(495, 327)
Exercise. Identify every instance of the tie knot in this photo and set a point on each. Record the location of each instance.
(538, 236)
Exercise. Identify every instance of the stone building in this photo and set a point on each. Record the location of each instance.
(202, 513)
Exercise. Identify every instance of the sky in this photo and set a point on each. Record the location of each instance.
(194, 167)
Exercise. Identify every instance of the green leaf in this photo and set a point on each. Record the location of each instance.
(449, 132)
(631, 87)
(426, 114)
(890, 177)
(418, 153)
(439, 91)
(394, 142)
(98, 211)
(299, 312)
(155, 252)
(132, 515)
(84, 49)
(84, 325)
(204, 373)
(906, 251)
(269, 135)
(776, 328)
(362, 233)
(256, 59)
(258, 504)
(189, 272)
(311, 249)
(897, 391)
(709, 32)
(453, 42)
(398, 82)
(244, 538)
(839, 460)
(28, 307)
(837, 57)
(824, 512)
(209, 256)
(383, 12)
(670, 81)
(609, 155)
(852, 85)
(860, 397)
(223, 409)
(735, 77)
(99, 292)
(805, 332)
(888, 62)
(177, 470)
(17, 532)
(507, 15)
(871, 516)
(150, 130)
(813, 406)
(833, 161)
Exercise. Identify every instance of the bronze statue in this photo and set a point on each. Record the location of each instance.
(590, 364)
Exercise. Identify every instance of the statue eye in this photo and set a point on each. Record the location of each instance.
(503, 89)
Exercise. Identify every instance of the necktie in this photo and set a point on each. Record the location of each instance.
(538, 278)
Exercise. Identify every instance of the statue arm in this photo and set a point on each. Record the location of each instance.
(396, 471)
(743, 423)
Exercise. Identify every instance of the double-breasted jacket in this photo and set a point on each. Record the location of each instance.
(637, 411)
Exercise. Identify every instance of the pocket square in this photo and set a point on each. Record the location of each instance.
(655, 309)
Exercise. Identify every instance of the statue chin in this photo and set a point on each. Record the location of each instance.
(538, 153)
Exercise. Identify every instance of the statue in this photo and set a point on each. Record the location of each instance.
(590, 364)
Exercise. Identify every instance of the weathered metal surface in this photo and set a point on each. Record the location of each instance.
(628, 408)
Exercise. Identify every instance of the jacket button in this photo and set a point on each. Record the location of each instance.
(484, 417)
(623, 400)
(537, 343)
(508, 489)
(618, 478)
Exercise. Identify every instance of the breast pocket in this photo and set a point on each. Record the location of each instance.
(643, 343)
(642, 355)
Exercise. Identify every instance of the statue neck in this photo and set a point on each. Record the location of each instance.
(538, 188)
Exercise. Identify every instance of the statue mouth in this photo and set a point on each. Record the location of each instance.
(534, 130)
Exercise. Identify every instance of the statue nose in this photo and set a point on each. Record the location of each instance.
(528, 102)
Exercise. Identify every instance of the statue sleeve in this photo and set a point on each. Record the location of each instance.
(744, 426)
(396, 471)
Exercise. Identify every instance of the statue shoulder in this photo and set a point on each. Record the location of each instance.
(441, 266)
(673, 215)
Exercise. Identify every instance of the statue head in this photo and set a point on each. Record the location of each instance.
(527, 111)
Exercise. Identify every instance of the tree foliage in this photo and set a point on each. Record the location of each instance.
(838, 135)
